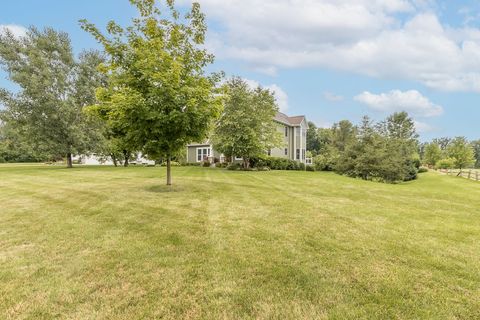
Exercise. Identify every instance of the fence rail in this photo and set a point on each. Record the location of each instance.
(467, 173)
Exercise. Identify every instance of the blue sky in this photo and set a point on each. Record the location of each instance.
(327, 59)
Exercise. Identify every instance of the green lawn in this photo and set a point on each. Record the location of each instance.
(104, 242)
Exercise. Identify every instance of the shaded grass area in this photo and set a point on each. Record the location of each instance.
(104, 242)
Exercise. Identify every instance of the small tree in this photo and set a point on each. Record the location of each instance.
(461, 152)
(54, 88)
(157, 87)
(432, 154)
(246, 127)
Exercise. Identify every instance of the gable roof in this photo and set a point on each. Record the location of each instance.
(290, 121)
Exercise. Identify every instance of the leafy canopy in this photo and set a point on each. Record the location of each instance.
(158, 94)
(432, 154)
(54, 89)
(461, 152)
(246, 128)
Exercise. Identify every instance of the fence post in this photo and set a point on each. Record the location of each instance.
(469, 173)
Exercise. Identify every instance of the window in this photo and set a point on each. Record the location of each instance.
(238, 158)
(303, 154)
(286, 131)
(286, 151)
(203, 154)
(269, 152)
(298, 154)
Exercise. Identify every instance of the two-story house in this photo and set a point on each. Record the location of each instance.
(293, 130)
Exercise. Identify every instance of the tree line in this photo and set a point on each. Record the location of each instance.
(147, 91)
(451, 153)
(388, 150)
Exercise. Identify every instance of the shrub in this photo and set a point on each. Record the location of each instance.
(446, 163)
(206, 164)
(234, 166)
(221, 165)
(2, 160)
(422, 170)
(324, 162)
(411, 167)
(259, 162)
(310, 168)
(192, 164)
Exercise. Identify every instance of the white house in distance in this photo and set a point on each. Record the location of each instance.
(94, 160)
(293, 130)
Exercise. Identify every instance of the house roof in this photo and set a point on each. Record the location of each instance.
(291, 121)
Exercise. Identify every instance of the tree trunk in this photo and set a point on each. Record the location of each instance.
(114, 159)
(126, 154)
(69, 160)
(169, 172)
(246, 163)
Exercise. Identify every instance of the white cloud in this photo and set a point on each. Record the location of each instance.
(332, 97)
(362, 36)
(280, 95)
(410, 101)
(17, 30)
(423, 127)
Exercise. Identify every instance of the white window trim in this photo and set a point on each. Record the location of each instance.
(209, 152)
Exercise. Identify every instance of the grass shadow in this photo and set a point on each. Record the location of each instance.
(164, 188)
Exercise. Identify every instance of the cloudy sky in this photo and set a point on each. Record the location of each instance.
(327, 59)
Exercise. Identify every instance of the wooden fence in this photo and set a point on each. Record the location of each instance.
(467, 173)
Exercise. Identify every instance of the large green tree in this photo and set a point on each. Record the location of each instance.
(54, 88)
(313, 142)
(246, 128)
(343, 133)
(432, 154)
(14, 148)
(460, 150)
(158, 88)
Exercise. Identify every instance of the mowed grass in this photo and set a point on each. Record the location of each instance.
(115, 243)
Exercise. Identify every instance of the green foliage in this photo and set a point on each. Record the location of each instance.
(442, 142)
(476, 151)
(221, 164)
(276, 163)
(313, 141)
(422, 170)
(446, 163)
(158, 94)
(461, 152)
(246, 128)
(343, 133)
(234, 166)
(432, 154)
(14, 147)
(326, 160)
(54, 88)
(382, 152)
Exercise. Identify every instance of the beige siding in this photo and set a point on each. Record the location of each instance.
(295, 139)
